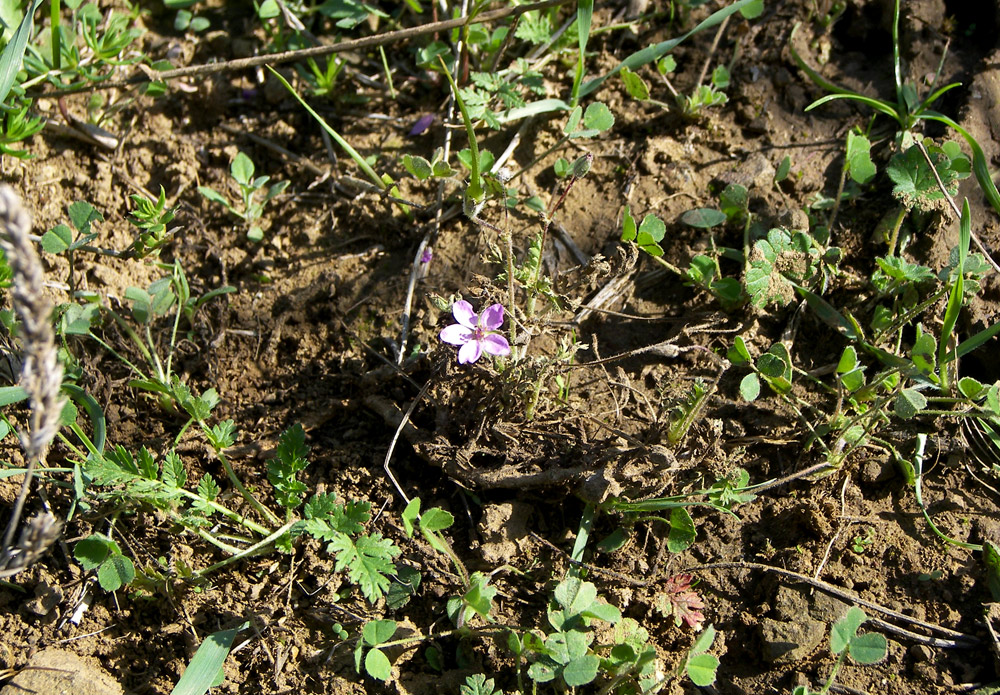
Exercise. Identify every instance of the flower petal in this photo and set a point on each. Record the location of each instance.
(496, 345)
(492, 317)
(463, 313)
(470, 352)
(456, 335)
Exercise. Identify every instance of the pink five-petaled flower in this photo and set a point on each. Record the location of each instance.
(476, 334)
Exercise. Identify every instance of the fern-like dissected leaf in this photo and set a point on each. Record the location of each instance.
(281, 471)
(368, 561)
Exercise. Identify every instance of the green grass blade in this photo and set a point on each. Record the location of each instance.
(584, 17)
(201, 673)
(957, 291)
(896, 65)
(816, 78)
(13, 52)
(475, 191)
(12, 394)
(975, 342)
(354, 154)
(833, 318)
(934, 96)
(657, 51)
(877, 104)
(535, 108)
(94, 412)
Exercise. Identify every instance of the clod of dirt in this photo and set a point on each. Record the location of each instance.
(790, 638)
(787, 642)
(47, 597)
(755, 173)
(55, 671)
(502, 527)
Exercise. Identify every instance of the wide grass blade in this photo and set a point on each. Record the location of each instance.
(206, 664)
(957, 291)
(13, 52)
(584, 17)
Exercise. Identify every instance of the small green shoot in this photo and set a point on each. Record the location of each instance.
(250, 208)
(698, 664)
(151, 218)
(866, 648)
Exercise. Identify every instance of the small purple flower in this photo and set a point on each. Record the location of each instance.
(426, 256)
(476, 334)
(422, 124)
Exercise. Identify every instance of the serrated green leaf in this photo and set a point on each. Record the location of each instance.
(368, 561)
(477, 684)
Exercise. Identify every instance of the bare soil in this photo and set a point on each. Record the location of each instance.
(306, 338)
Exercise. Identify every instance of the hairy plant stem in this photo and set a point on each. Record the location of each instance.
(261, 509)
(246, 552)
(511, 296)
(894, 236)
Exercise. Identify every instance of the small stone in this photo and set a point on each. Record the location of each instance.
(921, 653)
(795, 219)
(56, 671)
